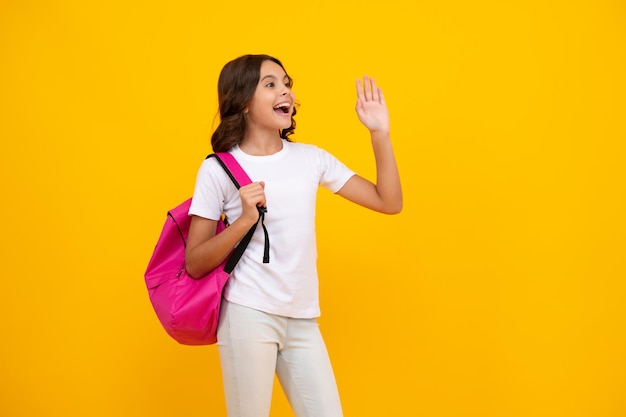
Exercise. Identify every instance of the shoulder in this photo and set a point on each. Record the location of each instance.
(210, 164)
(307, 149)
(211, 171)
(327, 166)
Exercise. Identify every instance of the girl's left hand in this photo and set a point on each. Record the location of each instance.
(370, 106)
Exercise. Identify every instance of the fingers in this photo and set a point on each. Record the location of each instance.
(381, 97)
(374, 90)
(359, 89)
(367, 90)
(253, 195)
(364, 88)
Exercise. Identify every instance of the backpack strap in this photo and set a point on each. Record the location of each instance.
(232, 168)
(239, 178)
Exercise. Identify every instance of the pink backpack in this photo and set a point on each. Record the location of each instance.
(188, 308)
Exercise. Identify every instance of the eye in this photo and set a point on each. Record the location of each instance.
(269, 84)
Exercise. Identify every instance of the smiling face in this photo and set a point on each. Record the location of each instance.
(272, 105)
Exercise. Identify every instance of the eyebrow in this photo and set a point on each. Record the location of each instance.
(274, 77)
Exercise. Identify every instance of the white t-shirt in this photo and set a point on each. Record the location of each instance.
(288, 284)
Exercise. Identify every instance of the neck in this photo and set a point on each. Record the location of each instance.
(262, 145)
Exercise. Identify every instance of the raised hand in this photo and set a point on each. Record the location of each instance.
(371, 107)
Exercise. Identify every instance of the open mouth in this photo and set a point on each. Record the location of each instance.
(282, 108)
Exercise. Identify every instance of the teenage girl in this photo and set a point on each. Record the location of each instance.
(268, 318)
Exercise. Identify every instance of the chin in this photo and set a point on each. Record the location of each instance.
(285, 125)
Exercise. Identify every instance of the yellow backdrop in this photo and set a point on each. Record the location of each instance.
(499, 291)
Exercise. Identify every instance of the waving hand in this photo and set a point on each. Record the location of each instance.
(385, 195)
(370, 106)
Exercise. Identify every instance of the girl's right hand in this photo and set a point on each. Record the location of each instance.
(252, 196)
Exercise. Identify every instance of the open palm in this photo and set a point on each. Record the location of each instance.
(370, 105)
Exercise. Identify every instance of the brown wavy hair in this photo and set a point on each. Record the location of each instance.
(235, 88)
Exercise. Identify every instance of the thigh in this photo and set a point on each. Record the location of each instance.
(305, 372)
(247, 343)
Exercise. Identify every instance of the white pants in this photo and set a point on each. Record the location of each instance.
(254, 345)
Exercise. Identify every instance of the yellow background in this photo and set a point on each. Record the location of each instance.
(498, 292)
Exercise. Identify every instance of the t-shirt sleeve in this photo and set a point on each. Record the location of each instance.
(207, 200)
(334, 174)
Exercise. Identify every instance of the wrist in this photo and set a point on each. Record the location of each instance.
(380, 134)
(244, 223)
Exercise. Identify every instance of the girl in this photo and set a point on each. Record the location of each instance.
(268, 318)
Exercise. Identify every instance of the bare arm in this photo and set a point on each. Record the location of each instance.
(206, 250)
(386, 195)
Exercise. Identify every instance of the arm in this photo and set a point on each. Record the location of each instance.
(206, 250)
(386, 195)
